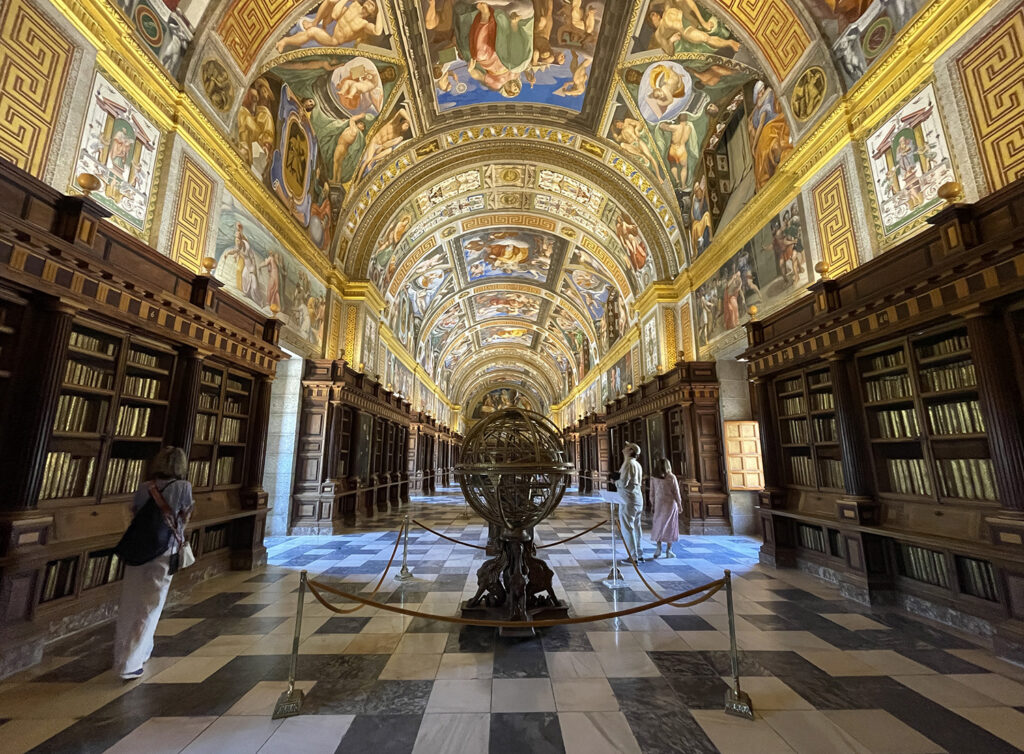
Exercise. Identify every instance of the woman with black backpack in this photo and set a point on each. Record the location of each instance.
(153, 548)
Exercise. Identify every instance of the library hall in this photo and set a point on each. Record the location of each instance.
(511, 377)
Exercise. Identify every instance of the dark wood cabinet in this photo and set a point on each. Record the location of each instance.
(108, 351)
(891, 409)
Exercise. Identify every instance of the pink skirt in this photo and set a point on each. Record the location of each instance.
(666, 523)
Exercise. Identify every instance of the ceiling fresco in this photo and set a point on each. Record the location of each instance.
(512, 175)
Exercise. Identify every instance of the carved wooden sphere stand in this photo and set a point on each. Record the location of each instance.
(513, 472)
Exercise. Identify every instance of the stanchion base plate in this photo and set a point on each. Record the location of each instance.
(404, 576)
(615, 580)
(288, 704)
(739, 704)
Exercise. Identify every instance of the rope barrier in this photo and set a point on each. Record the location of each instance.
(711, 588)
(636, 567)
(387, 568)
(539, 547)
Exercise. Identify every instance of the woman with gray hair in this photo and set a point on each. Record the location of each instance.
(144, 588)
(631, 491)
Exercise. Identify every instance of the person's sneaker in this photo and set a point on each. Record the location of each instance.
(133, 675)
(670, 554)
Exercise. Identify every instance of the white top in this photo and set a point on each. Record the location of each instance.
(629, 482)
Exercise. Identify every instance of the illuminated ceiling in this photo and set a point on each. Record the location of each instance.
(513, 174)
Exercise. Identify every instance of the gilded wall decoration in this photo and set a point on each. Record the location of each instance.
(35, 60)
(909, 160)
(835, 222)
(192, 215)
(162, 30)
(992, 72)
(775, 27)
(121, 147)
(247, 25)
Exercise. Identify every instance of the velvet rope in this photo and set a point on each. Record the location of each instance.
(636, 567)
(711, 588)
(381, 581)
(539, 547)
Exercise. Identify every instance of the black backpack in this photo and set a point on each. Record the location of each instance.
(148, 536)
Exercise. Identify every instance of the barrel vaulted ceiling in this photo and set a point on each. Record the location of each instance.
(513, 174)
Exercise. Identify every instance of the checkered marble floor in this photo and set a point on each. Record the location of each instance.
(824, 674)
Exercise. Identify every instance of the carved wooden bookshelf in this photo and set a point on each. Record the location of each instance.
(108, 350)
(920, 352)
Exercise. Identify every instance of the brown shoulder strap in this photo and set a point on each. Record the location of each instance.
(169, 517)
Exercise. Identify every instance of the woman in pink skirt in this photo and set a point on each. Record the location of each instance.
(667, 501)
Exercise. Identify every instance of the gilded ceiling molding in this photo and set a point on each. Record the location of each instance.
(471, 370)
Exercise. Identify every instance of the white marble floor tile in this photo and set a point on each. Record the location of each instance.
(835, 662)
(162, 735)
(411, 667)
(1003, 690)
(522, 695)
(890, 662)
(734, 735)
(465, 666)
(20, 736)
(1004, 722)
(584, 695)
(627, 664)
(881, 732)
(809, 732)
(444, 733)
(422, 643)
(855, 621)
(772, 694)
(597, 733)
(261, 698)
(309, 734)
(942, 689)
(460, 696)
(235, 734)
(190, 670)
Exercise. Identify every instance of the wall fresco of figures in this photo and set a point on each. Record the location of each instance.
(253, 265)
(121, 147)
(164, 29)
(910, 159)
(358, 23)
(538, 51)
(771, 267)
(619, 377)
(312, 126)
(860, 31)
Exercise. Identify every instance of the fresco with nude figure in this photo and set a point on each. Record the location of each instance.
(537, 51)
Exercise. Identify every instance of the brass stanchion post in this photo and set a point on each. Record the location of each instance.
(290, 702)
(405, 574)
(737, 702)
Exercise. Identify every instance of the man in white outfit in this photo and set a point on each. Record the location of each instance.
(631, 491)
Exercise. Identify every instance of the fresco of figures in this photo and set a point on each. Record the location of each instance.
(860, 31)
(510, 252)
(499, 398)
(313, 126)
(620, 377)
(649, 335)
(339, 23)
(447, 326)
(565, 327)
(537, 51)
(770, 268)
(119, 145)
(910, 160)
(369, 346)
(596, 295)
(163, 30)
(505, 336)
(252, 264)
(506, 304)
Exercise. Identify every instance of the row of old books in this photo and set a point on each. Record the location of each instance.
(89, 343)
(803, 471)
(59, 579)
(225, 470)
(132, 421)
(199, 473)
(924, 565)
(142, 387)
(230, 429)
(824, 429)
(951, 377)
(822, 401)
(909, 476)
(961, 418)
(796, 430)
(238, 385)
(954, 344)
(977, 578)
(123, 475)
(819, 378)
(888, 387)
(887, 361)
(232, 405)
(792, 406)
(65, 475)
(208, 401)
(78, 413)
(143, 359)
(831, 472)
(212, 378)
(206, 427)
(102, 568)
(811, 537)
(788, 386)
(86, 375)
(967, 478)
(897, 423)
(216, 538)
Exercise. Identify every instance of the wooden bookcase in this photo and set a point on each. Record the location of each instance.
(906, 376)
(108, 351)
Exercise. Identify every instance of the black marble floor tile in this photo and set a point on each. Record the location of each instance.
(519, 663)
(267, 578)
(687, 623)
(430, 626)
(645, 695)
(721, 662)
(699, 691)
(82, 669)
(682, 664)
(799, 595)
(565, 639)
(934, 637)
(337, 697)
(477, 639)
(192, 638)
(343, 625)
(534, 732)
(90, 735)
(942, 661)
(397, 697)
(775, 623)
(380, 734)
(219, 606)
(340, 667)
